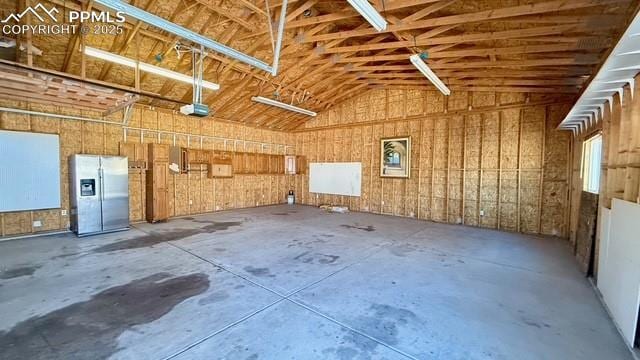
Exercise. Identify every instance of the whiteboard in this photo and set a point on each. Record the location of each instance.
(619, 265)
(335, 178)
(29, 171)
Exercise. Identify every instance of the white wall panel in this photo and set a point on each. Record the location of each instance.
(336, 178)
(29, 171)
(619, 265)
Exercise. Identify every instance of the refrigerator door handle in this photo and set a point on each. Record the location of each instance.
(101, 174)
(102, 194)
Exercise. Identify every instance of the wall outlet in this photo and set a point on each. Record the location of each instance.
(63, 212)
(37, 223)
(481, 212)
(190, 202)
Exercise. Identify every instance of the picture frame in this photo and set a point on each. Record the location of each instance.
(395, 157)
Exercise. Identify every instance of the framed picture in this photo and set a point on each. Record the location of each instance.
(395, 157)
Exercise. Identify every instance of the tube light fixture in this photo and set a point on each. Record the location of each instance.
(104, 55)
(417, 61)
(369, 13)
(152, 69)
(282, 105)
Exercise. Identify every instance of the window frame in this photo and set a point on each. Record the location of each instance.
(591, 164)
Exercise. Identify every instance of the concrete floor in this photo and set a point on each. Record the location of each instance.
(293, 282)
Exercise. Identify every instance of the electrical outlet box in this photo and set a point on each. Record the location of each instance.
(37, 223)
(63, 212)
(190, 202)
(481, 212)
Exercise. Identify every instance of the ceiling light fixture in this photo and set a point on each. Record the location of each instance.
(267, 101)
(417, 61)
(369, 13)
(152, 69)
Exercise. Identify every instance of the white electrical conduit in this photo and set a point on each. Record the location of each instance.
(142, 130)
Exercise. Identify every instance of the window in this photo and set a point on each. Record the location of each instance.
(591, 161)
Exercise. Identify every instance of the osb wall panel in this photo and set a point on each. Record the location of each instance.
(586, 229)
(483, 159)
(620, 176)
(191, 193)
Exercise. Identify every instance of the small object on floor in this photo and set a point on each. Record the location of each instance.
(291, 198)
(335, 209)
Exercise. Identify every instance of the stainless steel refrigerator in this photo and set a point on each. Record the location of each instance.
(99, 194)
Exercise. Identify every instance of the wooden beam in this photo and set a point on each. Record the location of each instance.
(506, 12)
(348, 12)
(533, 32)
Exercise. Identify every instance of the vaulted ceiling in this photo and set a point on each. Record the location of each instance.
(330, 53)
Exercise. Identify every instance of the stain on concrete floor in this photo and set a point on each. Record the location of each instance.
(367, 228)
(157, 237)
(352, 346)
(309, 257)
(18, 272)
(259, 272)
(287, 213)
(384, 322)
(90, 329)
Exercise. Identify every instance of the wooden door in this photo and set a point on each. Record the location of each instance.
(157, 183)
(160, 191)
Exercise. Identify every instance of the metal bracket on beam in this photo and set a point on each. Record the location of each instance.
(123, 105)
(196, 38)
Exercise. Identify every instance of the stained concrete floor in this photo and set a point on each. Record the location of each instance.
(293, 282)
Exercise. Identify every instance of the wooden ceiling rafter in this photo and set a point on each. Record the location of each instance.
(427, 39)
(296, 12)
(416, 16)
(331, 54)
(481, 16)
(120, 48)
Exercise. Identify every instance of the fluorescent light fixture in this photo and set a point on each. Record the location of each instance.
(104, 55)
(152, 69)
(282, 105)
(369, 13)
(429, 74)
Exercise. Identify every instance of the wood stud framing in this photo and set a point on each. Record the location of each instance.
(482, 159)
(191, 193)
(489, 155)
